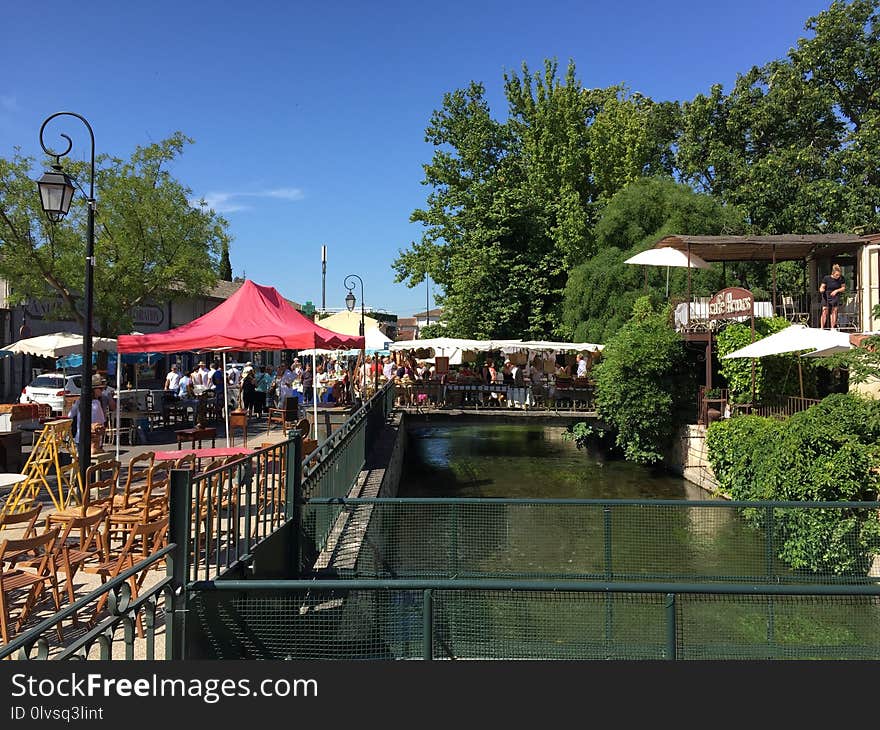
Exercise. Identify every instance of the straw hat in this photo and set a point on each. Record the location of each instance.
(98, 381)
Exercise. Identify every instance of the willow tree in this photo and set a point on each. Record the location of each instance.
(151, 243)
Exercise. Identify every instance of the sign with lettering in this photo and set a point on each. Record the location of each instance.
(731, 302)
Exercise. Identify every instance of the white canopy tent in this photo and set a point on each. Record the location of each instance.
(555, 347)
(451, 347)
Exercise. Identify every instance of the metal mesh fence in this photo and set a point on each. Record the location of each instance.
(588, 540)
(382, 623)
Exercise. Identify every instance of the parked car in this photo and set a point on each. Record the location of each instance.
(51, 388)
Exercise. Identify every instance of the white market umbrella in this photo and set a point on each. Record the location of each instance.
(794, 338)
(58, 345)
(667, 256)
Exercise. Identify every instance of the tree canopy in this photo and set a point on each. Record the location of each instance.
(519, 221)
(150, 242)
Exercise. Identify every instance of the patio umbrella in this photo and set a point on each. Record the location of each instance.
(794, 338)
(58, 344)
(667, 257)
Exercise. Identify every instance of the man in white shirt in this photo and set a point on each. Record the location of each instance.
(388, 368)
(581, 366)
(209, 379)
(200, 376)
(172, 380)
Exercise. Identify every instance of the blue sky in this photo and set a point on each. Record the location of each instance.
(309, 119)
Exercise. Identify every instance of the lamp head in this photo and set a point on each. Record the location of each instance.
(56, 193)
(349, 301)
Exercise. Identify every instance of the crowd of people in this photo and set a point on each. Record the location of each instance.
(256, 389)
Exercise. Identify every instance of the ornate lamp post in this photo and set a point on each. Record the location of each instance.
(349, 303)
(56, 194)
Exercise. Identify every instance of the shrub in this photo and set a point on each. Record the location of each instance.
(642, 384)
(826, 453)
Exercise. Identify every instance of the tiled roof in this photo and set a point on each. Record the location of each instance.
(225, 289)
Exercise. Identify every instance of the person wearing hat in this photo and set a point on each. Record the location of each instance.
(99, 417)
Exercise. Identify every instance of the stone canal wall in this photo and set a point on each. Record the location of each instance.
(687, 457)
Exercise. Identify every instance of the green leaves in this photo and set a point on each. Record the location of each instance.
(826, 453)
(150, 242)
(642, 384)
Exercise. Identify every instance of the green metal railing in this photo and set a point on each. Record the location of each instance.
(507, 619)
(41, 642)
(635, 540)
(332, 470)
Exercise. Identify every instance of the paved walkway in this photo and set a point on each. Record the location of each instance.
(84, 583)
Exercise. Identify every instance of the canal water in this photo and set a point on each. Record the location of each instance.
(487, 537)
(524, 461)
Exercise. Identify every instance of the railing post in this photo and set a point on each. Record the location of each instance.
(606, 519)
(428, 624)
(293, 497)
(768, 542)
(177, 566)
(671, 645)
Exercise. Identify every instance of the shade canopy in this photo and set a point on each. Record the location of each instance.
(667, 257)
(552, 346)
(348, 323)
(795, 338)
(58, 344)
(254, 318)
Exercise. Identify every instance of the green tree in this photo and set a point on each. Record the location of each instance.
(794, 143)
(642, 384)
(151, 243)
(600, 293)
(513, 203)
(225, 263)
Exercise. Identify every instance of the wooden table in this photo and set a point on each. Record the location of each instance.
(212, 453)
(196, 434)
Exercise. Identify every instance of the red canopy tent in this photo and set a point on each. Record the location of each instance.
(254, 318)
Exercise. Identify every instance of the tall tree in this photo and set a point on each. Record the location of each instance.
(794, 143)
(600, 293)
(151, 243)
(225, 263)
(513, 202)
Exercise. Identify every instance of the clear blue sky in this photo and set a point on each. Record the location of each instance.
(309, 118)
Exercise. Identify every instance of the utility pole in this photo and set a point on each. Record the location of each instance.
(427, 300)
(323, 279)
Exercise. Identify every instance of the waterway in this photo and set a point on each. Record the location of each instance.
(524, 461)
(499, 533)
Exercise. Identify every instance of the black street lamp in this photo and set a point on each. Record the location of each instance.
(349, 303)
(56, 194)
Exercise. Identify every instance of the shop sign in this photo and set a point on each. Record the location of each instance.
(732, 302)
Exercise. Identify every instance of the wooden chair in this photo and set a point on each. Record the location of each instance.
(135, 480)
(151, 537)
(13, 581)
(72, 552)
(102, 500)
(27, 518)
(285, 416)
(151, 504)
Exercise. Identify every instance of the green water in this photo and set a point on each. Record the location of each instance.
(688, 543)
(524, 461)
